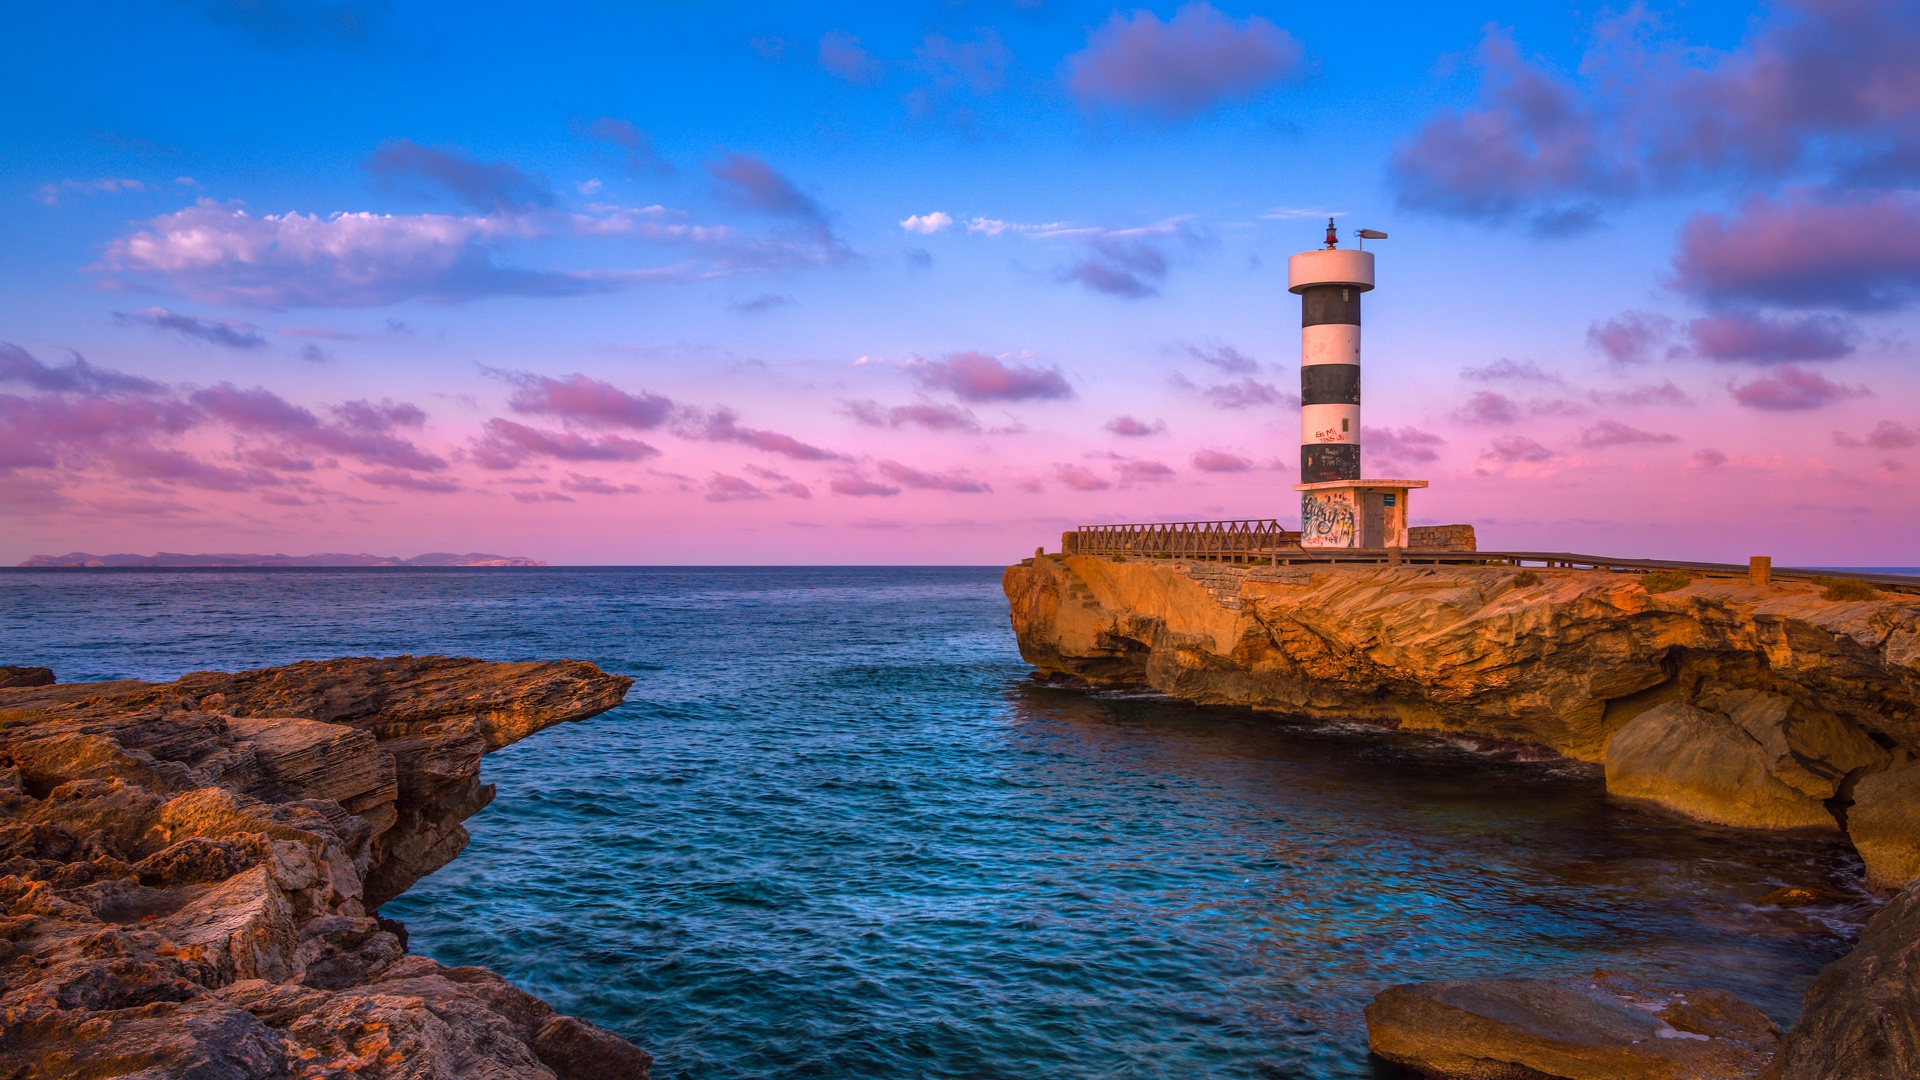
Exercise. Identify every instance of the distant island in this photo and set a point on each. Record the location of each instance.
(168, 558)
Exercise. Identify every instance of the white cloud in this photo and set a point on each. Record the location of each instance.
(50, 194)
(927, 224)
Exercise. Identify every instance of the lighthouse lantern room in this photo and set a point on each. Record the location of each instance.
(1338, 509)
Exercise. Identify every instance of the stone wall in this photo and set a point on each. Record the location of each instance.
(1441, 538)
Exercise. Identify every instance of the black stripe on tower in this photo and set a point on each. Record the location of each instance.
(1322, 304)
(1330, 384)
(1329, 461)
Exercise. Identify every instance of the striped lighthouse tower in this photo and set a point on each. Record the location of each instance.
(1329, 282)
(1337, 507)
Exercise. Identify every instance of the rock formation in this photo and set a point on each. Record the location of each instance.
(1601, 1027)
(1861, 1018)
(1759, 706)
(1765, 707)
(189, 873)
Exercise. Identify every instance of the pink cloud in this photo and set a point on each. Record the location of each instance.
(1080, 479)
(506, 445)
(929, 416)
(227, 334)
(755, 185)
(859, 487)
(1887, 435)
(722, 426)
(1248, 393)
(1219, 461)
(1816, 88)
(1631, 337)
(1759, 339)
(1614, 433)
(1184, 66)
(1662, 393)
(1511, 371)
(224, 255)
(76, 375)
(578, 399)
(1517, 448)
(1488, 407)
(1789, 389)
(842, 56)
(724, 488)
(1709, 458)
(1142, 470)
(1225, 357)
(595, 485)
(924, 481)
(406, 481)
(1530, 140)
(975, 376)
(363, 432)
(404, 165)
(1406, 445)
(1128, 263)
(1134, 428)
(1860, 253)
(640, 158)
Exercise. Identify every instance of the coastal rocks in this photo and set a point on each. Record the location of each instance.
(1884, 824)
(1765, 706)
(11, 676)
(1603, 1027)
(1861, 1018)
(1706, 766)
(188, 872)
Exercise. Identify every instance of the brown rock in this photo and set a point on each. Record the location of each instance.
(1795, 700)
(1706, 766)
(1884, 823)
(186, 871)
(1861, 1018)
(25, 676)
(1605, 1027)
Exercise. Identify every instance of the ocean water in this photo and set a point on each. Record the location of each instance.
(837, 831)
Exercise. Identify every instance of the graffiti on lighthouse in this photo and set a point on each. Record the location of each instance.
(1326, 519)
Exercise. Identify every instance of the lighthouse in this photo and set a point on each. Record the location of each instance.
(1338, 508)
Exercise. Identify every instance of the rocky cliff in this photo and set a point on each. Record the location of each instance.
(189, 873)
(1768, 707)
(1765, 707)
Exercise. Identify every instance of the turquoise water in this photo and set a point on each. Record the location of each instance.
(836, 830)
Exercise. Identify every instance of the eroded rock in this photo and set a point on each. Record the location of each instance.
(187, 872)
(1603, 1027)
(1761, 706)
(1884, 823)
(1706, 766)
(1861, 1017)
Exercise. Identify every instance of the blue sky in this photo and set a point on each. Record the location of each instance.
(708, 208)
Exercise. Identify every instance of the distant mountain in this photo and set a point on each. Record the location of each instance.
(168, 558)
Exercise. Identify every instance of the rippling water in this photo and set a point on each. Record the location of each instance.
(837, 831)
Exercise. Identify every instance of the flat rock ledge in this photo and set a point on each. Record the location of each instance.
(1859, 1021)
(1602, 1027)
(190, 872)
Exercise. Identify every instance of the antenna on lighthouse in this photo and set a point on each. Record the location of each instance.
(1370, 234)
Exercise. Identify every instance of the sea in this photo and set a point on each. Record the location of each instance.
(838, 829)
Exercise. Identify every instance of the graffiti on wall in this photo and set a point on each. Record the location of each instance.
(1326, 519)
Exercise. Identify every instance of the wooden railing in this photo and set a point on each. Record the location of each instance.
(1264, 540)
(1234, 541)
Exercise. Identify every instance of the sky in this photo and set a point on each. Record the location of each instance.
(600, 282)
